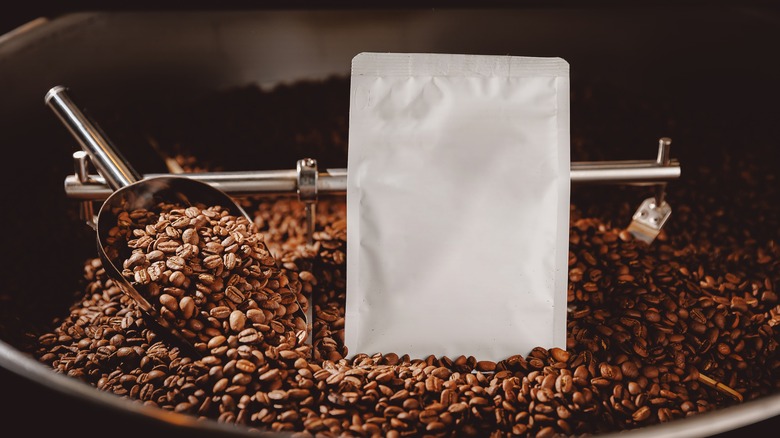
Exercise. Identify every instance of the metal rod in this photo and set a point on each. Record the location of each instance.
(334, 181)
(115, 172)
(664, 144)
(637, 172)
(106, 158)
(306, 183)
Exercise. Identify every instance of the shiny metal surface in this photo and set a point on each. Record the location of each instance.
(652, 214)
(306, 185)
(131, 192)
(81, 171)
(634, 172)
(663, 159)
(334, 181)
(106, 158)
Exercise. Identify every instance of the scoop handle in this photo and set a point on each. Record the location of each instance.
(106, 158)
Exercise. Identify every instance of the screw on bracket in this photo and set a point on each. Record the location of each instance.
(653, 213)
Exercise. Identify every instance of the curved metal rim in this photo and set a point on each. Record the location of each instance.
(37, 372)
(699, 425)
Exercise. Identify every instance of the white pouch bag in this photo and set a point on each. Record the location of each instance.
(457, 205)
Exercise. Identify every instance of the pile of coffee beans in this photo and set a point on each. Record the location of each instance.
(656, 332)
(208, 275)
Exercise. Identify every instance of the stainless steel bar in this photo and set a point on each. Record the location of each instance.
(334, 181)
(664, 144)
(115, 174)
(645, 172)
(104, 155)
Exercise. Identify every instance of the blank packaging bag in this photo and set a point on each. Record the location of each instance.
(457, 205)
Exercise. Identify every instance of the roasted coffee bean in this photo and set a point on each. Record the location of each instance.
(564, 384)
(237, 320)
(169, 302)
(187, 306)
(234, 294)
(220, 312)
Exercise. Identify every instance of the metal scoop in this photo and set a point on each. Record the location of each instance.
(132, 191)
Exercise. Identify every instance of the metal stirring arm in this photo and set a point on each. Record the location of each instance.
(130, 190)
(334, 181)
(307, 182)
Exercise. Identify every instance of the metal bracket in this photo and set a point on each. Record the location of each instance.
(653, 213)
(81, 164)
(307, 175)
(306, 187)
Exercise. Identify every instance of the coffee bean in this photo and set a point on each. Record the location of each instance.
(435, 427)
(234, 294)
(220, 312)
(167, 246)
(177, 278)
(216, 341)
(564, 384)
(486, 366)
(559, 355)
(610, 372)
(641, 414)
(237, 320)
(212, 261)
(428, 416)
(175, 263)
(245, 366)
(249, 336)
(229, 260)
(187, 306)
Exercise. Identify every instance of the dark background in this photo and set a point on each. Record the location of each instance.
(15, 14)
(39, 411)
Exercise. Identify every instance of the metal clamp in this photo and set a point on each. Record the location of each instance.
(81, 164)
(653, 213)
(306, 188)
